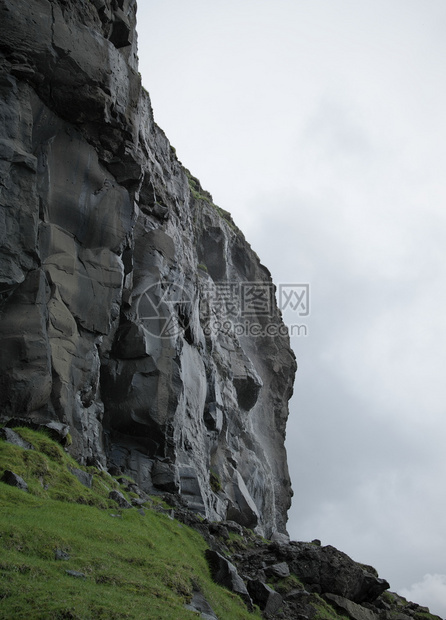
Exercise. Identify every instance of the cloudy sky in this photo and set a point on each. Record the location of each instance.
(320, 125)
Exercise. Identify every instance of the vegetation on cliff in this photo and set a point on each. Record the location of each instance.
(70, 549)
(70, 552)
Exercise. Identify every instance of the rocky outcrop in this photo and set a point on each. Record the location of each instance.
(289, 579)
(133, 310)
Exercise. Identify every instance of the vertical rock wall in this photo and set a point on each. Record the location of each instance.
(132, 308)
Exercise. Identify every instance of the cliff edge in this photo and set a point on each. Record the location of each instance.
(135, 317)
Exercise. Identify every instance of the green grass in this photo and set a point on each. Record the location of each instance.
(135, 565)
(283, 585)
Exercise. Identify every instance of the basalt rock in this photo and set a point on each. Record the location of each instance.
(14, 480)
(332, 571)
(133, 311)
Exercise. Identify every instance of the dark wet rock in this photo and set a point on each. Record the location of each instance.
(351, 609)
(280, 570)
(265, 597)
(164, 476)
(109, 328)
(9, 477)
(225, 574)
(334, 572)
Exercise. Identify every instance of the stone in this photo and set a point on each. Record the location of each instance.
(225, 574)
(84, 477)
(119, 498)
(164, 477)
(76, 574)
(14, 438)
(265, 597)
(190, 488)
(280, 570)
(353, 610)
(199, 604)
(334, 572)
(9, 477)
(56, 430)
(59, 554)
(241, 507)
(280, 537)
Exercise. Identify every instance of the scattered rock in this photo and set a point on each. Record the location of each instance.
(334, 572)
(225, 574)
(56, 430)
(14, 438)
(84, 477)
(280, 570)
(9, 477)
(119, 498)
(265, 597)
(199, 604)
(281, 538)
(59, 554)
(76, 574)
(353, 610)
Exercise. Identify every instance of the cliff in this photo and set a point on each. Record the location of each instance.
(140, 330)
(135, 317)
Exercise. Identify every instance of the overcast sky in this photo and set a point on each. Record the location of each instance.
(320, 125)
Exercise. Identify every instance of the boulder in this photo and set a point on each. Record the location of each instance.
(39, 422)
(199, 604)
(84, 477)
(265, 597)
(353, 610)
(335, 572)
(119, 498)
(14, 438)
(280, 570)
(9, 477)
(225, 574)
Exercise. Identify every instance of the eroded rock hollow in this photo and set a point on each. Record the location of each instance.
(133, 310)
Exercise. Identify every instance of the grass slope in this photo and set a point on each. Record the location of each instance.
(134, 565)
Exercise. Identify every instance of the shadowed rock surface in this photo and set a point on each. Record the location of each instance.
(108, 326)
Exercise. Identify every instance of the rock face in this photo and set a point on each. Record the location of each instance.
(290, 579)
(132, 308)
